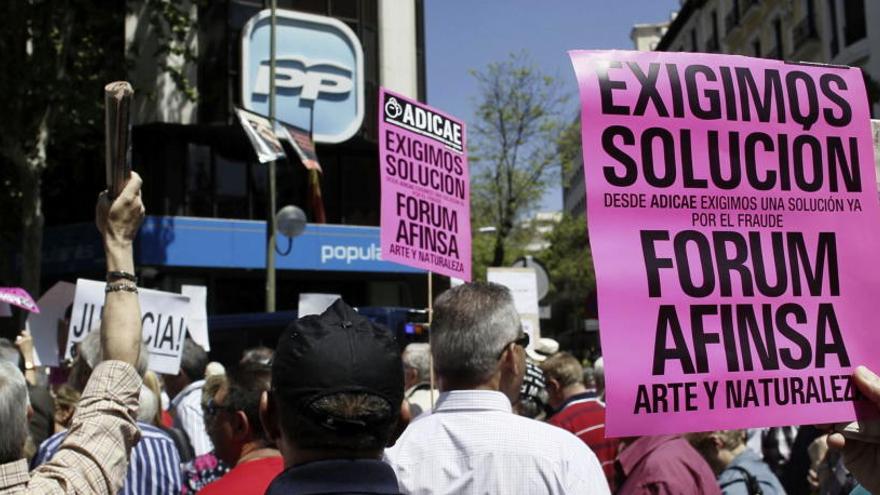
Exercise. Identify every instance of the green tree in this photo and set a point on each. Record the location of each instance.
(57, 56)
(569, 262)
(514, 153)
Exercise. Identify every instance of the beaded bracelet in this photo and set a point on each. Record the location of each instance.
(120, 286)
(113, 275)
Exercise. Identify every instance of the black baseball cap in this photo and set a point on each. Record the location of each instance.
(335, 352)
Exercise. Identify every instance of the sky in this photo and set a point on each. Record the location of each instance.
(461, 35)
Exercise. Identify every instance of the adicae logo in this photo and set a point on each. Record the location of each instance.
(393, 108)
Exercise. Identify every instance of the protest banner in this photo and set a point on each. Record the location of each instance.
(523, 285)
(733, 220)
(314, 303)
(43, 326)
(163, 317)
(261, 134)
(425, 219)
(197, 323)
(17, 296)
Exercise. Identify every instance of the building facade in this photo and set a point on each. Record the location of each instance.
(205, 190)
(842, 32)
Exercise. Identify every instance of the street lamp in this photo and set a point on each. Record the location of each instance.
(291, 221)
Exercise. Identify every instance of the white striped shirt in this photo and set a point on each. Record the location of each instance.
(154, 467)
(186, 407)
(473, 443)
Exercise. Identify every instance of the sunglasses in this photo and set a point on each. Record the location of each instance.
(211, 409)
(522, 341)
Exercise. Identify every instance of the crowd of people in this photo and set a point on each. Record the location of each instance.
(336, 407)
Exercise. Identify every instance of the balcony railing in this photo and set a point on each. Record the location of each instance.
(731, 20)
(804, 32)
(712, 45)
(776, 53)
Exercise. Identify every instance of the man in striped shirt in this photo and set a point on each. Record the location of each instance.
(154, 466)
(577, 409)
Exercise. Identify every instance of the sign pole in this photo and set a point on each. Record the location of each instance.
(430, 320)
(270, 213)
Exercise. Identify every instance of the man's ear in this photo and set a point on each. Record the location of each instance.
(241, 426)
(269, 416)
(552, 385)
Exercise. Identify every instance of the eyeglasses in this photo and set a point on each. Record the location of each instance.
(522, 340)
(211, 409)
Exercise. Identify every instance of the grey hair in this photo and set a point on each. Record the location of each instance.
(148, 405)
(472, 324)
(8, 352)
(13, 412)
(418, 357)
(91, 352)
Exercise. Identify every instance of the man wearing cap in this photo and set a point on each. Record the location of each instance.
(543, 348)
(473, 443)
(337, 390)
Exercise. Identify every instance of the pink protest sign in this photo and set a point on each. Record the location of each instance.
(425, 187)
(18, 297)
(733, 220)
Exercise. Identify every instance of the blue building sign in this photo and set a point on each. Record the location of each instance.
(222, 243)
(319, 74)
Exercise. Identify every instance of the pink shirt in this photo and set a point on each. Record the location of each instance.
(665, 465)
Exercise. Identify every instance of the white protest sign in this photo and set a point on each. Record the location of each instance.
(197, 324)
(523, 285)
(43, 326)
(314, 303)
(163, 319)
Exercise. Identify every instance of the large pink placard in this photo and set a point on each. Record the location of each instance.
(733, 220)
(425, 187)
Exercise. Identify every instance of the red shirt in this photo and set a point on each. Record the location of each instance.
(584, 415)
(252, 477)
(665, 465)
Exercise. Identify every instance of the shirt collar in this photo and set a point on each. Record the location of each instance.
(186, 391)
(336, 476)
(13, 474)
(472, 400)
(747, 456)
(633, 454)
(589, 394)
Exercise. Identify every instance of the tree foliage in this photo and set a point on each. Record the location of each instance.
(57, 56)
(520, 117)
(570, 264)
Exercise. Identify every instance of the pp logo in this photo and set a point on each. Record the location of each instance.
(313, 77)
(393, 108)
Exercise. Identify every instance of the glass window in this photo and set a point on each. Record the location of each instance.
(855, 28)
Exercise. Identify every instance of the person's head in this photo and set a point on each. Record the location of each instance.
(193, 361)
(66, 399)
(260, 354)
(599, 376)
(148, 406)
(9, 353)
(233, 416)
(151, 381)
(477, 340)
(416, 364)
(564, 375)
(90, 354)
(337, 388)
(14, 407)
(719, 447)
